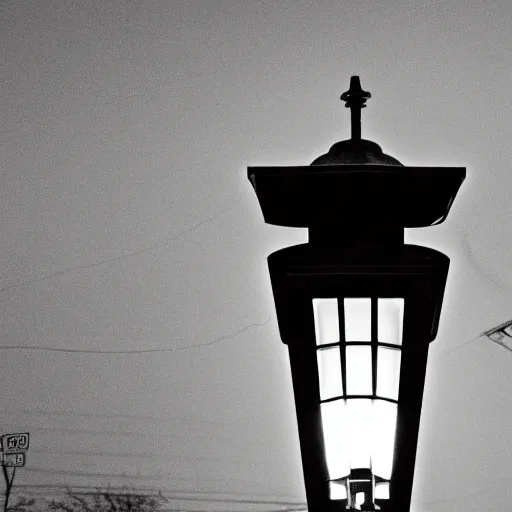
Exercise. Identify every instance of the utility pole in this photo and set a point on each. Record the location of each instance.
(8, 485)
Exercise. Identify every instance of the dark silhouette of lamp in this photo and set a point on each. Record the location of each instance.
(357, 309)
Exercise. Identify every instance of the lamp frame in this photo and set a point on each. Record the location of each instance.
(301, 273)
(356, 202)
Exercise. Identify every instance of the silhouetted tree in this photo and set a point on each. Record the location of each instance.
(109, 501)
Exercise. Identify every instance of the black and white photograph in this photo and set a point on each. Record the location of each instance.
(255, 255)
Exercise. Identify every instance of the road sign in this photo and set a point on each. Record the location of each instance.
(14, 443)
(14, 460)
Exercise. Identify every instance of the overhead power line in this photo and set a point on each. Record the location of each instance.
(86, 266)
(136, 351)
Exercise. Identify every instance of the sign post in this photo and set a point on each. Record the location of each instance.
(13, 449)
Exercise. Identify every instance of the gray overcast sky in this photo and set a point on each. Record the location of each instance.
(127, 224)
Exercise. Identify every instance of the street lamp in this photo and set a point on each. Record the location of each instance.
(357, 309)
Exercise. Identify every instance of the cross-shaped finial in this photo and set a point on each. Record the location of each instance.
(355, 99)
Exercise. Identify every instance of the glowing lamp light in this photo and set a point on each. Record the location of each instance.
(357, 309)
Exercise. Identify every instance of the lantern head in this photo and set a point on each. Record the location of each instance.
(357, 309)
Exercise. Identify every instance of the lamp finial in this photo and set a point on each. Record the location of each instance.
(355, 99)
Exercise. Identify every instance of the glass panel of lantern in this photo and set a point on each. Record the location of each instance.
(390, 320)
(327, 329)
(359, 369)
(388, 372)
(358, 319)
(359, 422)
(329, 372)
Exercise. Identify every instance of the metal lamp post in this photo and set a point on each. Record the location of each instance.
(357, 309)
